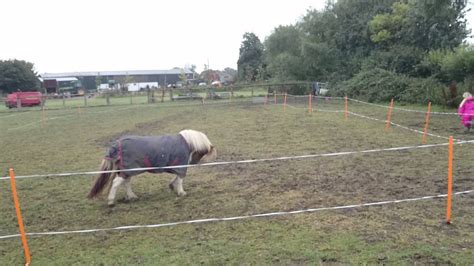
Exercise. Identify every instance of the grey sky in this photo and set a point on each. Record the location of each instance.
(100, 35)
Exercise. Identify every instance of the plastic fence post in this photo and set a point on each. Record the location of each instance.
(346, 108)
(310, 104)
(427, 122)
(450, 180)
(274, 98)
(389, 115)
(284, 102)
(19, 218)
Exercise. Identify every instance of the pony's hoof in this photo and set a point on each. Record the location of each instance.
(111, 204)
(131, 198)
(181, 193)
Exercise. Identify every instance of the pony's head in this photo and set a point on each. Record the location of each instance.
(202, 149)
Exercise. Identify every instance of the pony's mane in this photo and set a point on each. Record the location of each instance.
(196, 140)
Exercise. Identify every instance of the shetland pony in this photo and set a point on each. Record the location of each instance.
(131, 152)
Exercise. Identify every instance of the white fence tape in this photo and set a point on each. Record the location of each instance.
(207, 220)
(317, 96)
(244, 161)
(376, 119)
(400, 126)
(402, 109)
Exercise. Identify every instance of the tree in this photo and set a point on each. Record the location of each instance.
(437, 24)
(427, 25)
(283, 50)
(231, 74)
(17, 75)
(371, 41)
(387, 28)
(209, 75)
(250, 57)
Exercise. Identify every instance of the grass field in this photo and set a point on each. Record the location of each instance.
(404, 233)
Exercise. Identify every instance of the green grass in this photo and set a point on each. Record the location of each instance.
(404, 233)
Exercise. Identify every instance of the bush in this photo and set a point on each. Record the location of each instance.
(373, 85)
(424, 90)
(378, 85)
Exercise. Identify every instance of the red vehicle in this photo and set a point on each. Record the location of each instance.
(30, 98)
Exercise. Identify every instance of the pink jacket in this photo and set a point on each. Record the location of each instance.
(466, 111)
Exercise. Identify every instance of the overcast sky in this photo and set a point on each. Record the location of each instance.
(101, 35)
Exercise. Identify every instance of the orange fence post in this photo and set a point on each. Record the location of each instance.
(19, 218)
(284, 102)
(427, 122)
(389, 115)
(346, 108)
(450, 180)
(310, 104)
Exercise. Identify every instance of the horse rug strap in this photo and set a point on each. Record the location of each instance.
(150, 151)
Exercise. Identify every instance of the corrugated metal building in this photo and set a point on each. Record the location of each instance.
(88, 79)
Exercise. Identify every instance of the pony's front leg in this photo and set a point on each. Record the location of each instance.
(113, 190)
(128, 187)
(177, 185)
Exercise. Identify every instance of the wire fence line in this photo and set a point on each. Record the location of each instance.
(458, 141)
(234, 218)
(307, 156)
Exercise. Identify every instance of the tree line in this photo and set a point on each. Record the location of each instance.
(412, 50)
(17, 75)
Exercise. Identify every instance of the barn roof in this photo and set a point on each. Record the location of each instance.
(115, 73)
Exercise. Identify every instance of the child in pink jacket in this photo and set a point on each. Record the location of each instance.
(466, 110)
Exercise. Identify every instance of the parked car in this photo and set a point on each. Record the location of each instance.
(29, 98)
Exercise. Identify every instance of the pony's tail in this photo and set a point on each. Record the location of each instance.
(103, 179)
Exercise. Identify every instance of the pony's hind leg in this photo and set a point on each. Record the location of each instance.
(128, 187)
(118, 180)
(172, 182)
(176, 184)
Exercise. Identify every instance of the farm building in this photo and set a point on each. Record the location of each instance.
(88, 80)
